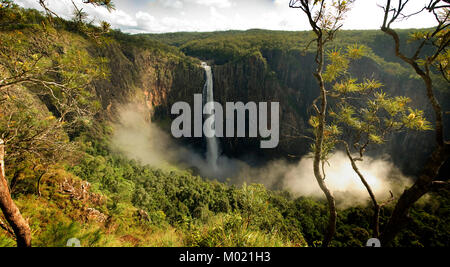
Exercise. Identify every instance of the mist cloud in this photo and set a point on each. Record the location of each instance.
(347, 187)
(139, 139)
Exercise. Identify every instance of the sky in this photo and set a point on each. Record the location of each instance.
(160, 16)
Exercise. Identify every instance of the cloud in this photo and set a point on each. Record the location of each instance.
(341, 179)
(137, 138)
(173, 4)
(215, 3)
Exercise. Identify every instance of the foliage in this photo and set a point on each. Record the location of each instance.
(361, 111)
(57, 74)
(183, 209)
(62, 75)
(56, 235)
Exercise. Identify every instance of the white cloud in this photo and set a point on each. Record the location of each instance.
(209, 15)
(216, 3)
(173, 4)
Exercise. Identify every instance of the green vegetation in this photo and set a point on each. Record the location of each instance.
(144, 206)
(67, 182)
(223, 47)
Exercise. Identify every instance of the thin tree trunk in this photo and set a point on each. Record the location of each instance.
(439, 156)
(376, 206)
(38, 183)
(422, 186)
(10, 211)
(8, 230)
(376, 221)
(331, 229)
(318, 153)
(323, 36)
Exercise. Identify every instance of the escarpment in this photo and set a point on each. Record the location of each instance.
(158, 76)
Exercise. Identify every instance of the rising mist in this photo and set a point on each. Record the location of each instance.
(138, 138)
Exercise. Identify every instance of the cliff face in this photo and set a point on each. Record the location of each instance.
(287, 78)
(253, 79)
(153, 78)
(159, 79)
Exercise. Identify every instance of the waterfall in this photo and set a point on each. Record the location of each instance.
(212, 153)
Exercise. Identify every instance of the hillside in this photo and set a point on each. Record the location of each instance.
(99, 195)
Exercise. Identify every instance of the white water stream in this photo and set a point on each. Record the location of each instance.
(212, 153)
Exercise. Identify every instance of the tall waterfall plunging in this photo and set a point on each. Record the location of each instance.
(212, 153)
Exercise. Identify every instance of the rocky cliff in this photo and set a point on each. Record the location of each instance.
(259, 71)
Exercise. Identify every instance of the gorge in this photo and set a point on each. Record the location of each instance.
(260, 70)
(126, 177)
(272, 74)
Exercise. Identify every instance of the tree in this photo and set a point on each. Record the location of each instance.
(12, 214)
(6, 4)
(325, 18)
(108, 4)
(62, 79)
(363, 115)
(426, 64)
(35, 142)
(79, 16)
(95, 33)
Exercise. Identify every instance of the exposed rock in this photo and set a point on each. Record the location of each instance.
(79, 190)
(95, 215)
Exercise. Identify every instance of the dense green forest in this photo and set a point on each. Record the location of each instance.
(67, 79)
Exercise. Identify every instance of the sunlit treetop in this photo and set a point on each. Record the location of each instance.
(105, 3)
